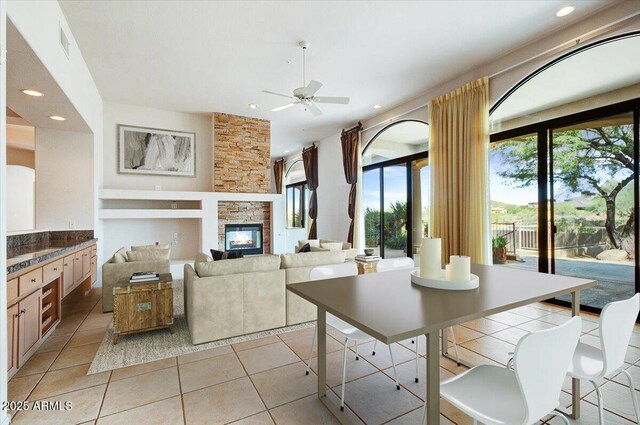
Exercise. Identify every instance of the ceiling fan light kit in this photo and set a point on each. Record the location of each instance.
(305, 95)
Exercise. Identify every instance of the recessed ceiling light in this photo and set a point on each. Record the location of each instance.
(253, 106)
(565, 11)
(286, 151)
(377, 106)
(33, 93)
(57, 118)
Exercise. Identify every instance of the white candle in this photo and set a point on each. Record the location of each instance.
(460, 267)
(447, 272)
(431, 258)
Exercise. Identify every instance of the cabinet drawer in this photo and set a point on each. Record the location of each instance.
(52, 271)
(12, 291)
(30, 281)
(94, 251)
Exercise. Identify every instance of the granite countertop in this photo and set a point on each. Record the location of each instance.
(24, 256)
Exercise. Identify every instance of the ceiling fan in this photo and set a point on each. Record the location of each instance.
(305, 95)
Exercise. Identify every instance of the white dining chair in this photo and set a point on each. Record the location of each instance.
(494, 395)
(591, 363)
(389, 264)
(348, 332)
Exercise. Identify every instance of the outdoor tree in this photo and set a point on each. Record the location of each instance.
(596, 161)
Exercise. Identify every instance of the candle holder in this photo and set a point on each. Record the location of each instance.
(443, 283)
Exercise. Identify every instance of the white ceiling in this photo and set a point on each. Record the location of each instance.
(197, 56)
(26, 71)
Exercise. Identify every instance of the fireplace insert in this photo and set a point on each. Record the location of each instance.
(243, 237)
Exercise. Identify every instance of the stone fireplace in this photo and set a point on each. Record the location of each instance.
(242, 158)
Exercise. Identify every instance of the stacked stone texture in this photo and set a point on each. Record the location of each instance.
(242, 154)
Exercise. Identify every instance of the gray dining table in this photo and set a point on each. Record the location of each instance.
(390, 308)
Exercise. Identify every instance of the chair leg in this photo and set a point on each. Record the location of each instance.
(563, 417)
(455, 345)
(344, 373)
(633, 395)
(417, 357)
(313, 341)
(374, 347)
(357, 356)
(600, 402)
(395, 374)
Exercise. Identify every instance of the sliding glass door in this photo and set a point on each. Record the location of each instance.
(564, 200)
(593, 212)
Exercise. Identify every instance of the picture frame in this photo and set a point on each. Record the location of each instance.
(154, 151)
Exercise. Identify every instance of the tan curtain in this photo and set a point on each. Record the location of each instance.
(459, 158)
(278, 174)
(310, 162)
(350, 144)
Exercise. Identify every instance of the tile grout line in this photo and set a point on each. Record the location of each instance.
(253, 385)
(184, 413)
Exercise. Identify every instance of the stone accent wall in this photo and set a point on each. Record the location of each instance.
(241, 164)
(242, 154)
(245, 213)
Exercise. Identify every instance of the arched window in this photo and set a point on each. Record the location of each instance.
(396, 188)
(297, 194)
(563, 169)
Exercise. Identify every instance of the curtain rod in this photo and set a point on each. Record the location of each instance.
(565, 45)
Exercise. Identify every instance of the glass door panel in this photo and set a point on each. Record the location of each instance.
(371, 204)
(515, 212)
(395, 236)
(421, 181)
(593, 203)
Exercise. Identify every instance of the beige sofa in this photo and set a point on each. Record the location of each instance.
(228, 298)
(233, 297)
(317, 246)
(119, 266)
(297, 268)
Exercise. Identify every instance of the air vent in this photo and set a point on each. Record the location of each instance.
(64, 42)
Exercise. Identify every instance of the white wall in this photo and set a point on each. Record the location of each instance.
(64, 179)
(20, 198)
(200, 124)
(333, 191)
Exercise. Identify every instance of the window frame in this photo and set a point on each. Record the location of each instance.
(406, 161)
(302, 204)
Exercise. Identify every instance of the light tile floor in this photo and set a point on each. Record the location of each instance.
(264, 382)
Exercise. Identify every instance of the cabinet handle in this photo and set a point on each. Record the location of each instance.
(16, 315)
(33, 280)
(23, 311)
(55, 269)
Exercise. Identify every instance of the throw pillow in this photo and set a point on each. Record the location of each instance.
(223, 255)
(120, 256)
(311, 242)
(332, 246)
(305, 248)
(148, 255)
(147, 247)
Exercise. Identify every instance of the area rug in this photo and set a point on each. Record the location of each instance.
(161, 344)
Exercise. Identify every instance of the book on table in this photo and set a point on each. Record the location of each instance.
(367, 258)
(140, 277)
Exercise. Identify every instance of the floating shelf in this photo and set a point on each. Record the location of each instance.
(123, 214)
(46, 293)
(46, 307)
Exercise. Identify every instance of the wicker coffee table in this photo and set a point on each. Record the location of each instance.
(141, 307)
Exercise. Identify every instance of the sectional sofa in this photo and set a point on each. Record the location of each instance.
(228, 298)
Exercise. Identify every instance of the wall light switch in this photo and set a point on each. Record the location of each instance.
(158, 187)
(174, 205)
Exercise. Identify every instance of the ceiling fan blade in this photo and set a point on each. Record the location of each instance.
(315, 111)
(278, 94)
(324, 99)
(280, 108)
(312, 88)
